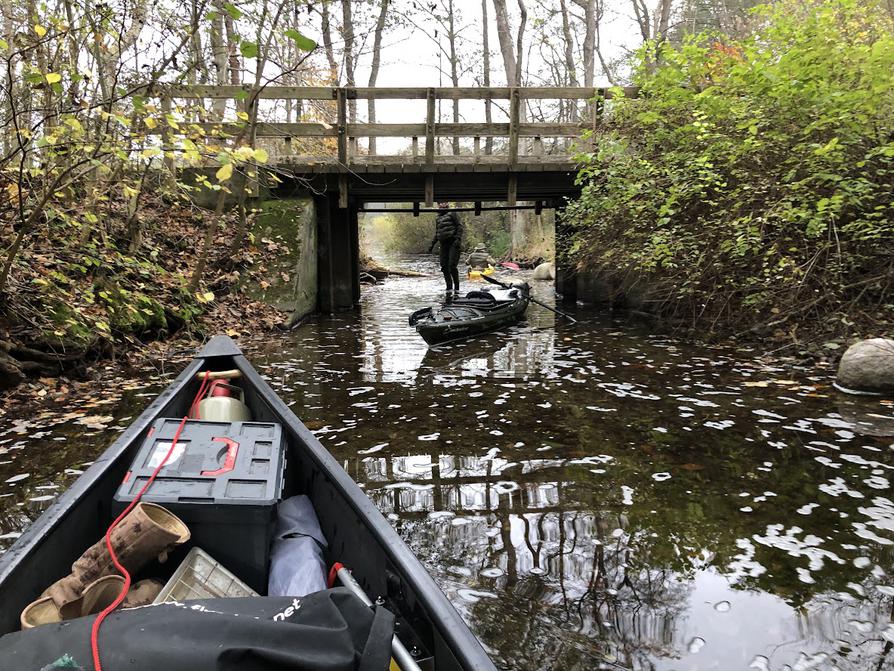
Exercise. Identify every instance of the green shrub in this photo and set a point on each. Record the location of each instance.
(751, 181)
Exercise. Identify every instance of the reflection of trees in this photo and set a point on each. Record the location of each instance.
(582, 581)
(575, 587)
(540, 500)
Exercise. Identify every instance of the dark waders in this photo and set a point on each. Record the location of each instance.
(450, 262)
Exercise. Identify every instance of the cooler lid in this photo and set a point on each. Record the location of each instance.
(237, 463)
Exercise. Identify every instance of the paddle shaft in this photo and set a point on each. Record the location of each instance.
(530, 298)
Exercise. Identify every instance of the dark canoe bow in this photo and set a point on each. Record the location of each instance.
(358, 535)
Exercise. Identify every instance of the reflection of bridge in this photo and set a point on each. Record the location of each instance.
(514, 159)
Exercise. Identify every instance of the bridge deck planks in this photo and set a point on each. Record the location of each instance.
(441, 164)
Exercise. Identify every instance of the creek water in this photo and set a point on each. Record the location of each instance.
(590, 496)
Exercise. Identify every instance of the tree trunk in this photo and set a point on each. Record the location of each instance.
(664, 13)
(454, 70)
(520, 43)
(326, 29)
(589, 47)
(234, 60)
(374, 69)
(641, 12)
(485, 47)
(505, 38)
(218, 56)
(570, 66)
(347, 33)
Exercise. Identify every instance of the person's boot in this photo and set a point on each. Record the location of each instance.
(148, 532)
(97, 597)
(142, 594)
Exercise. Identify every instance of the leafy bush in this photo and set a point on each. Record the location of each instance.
(751, 182)
(402, 233)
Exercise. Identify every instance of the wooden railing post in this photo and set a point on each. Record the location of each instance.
(415, 148)
(166, 139)
(598, 108)
(430, 129)
(514, 105)
(342, 101)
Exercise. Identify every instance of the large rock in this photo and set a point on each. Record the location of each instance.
(545, 271)
(868, 365)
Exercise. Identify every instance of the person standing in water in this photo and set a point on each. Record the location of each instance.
(449, 232)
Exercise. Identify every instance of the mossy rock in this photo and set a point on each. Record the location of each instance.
(72, 324)
(133, 311)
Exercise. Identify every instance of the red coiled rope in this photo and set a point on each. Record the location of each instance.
(97, 623)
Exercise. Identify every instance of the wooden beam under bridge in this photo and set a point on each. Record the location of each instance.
(537, 207)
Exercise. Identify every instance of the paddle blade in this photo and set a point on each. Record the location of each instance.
(494, 280)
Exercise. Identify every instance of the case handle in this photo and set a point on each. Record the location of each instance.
(219, 374)
(229, 461)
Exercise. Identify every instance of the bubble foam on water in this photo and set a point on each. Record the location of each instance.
(696, 644)
(474, 596)
(760, 663)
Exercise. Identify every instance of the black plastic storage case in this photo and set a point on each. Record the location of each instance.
(223, 480)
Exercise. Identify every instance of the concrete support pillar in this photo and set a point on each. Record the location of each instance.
(336, 265)
(566, 277)
(354, 223)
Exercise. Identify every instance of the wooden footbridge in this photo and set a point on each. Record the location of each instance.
(520, 157)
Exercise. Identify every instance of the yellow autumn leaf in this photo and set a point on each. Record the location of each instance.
(150, 122)
(244, 153)
(40, 30)
(53, 77)
(261, 155)
(224, 172)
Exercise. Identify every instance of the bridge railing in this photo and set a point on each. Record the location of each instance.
(524, 138)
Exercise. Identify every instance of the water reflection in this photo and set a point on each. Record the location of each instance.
(596, 496)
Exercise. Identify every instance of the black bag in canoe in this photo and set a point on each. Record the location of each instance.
(325, 631)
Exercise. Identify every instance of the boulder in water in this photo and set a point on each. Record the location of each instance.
(545, 271)
(868, 366)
